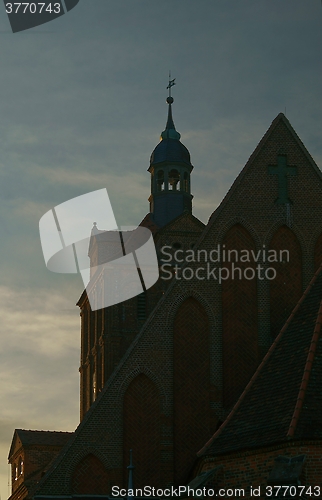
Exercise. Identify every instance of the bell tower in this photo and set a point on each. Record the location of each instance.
(170, 169)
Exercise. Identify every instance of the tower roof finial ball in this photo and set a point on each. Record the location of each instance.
(169, 100)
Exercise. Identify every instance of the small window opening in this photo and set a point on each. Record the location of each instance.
(160, 181)
(174, 178)
(20, 467)
(94, 387)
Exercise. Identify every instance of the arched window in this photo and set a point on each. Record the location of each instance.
(160, 181)
(174, 178)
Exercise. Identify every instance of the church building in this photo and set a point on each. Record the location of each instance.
(197, 371)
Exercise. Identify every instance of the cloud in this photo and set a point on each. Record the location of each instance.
(39, 363)
(82, 109)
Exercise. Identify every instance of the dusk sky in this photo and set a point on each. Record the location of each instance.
(82, 107)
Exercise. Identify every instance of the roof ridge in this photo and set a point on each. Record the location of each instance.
(36, 430)
(306, 374)
(260, 366)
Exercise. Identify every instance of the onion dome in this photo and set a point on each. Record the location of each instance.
(170, 149)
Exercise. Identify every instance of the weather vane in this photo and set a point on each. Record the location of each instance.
(171, 83)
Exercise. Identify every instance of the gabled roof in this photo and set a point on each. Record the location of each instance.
(283, 400)
(40, 438)
(279, 120)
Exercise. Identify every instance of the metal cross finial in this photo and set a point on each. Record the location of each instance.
(171, 83)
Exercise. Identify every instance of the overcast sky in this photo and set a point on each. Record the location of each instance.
(82, 107)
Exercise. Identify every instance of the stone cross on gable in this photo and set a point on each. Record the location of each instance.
(282, 170)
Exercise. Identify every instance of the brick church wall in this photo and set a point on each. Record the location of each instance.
(191, 377)
(318, 252)
(142, 431)
(239, 318)
(286, 288)
(90, 477)
(252, 467)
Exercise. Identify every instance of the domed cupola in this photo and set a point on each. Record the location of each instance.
(170, 148)
(170, 169)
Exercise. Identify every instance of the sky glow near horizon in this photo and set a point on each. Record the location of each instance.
(82, 108)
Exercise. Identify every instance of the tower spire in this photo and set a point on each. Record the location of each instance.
(170, 169)
(170, 130)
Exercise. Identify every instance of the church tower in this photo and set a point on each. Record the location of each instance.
(108, 333)
(170, 169)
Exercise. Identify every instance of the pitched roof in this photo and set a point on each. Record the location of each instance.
(40, 438)
(279, 120)
(283, 399)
